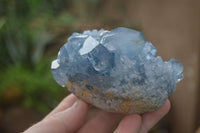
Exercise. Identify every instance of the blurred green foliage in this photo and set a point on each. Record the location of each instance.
(37, 87)
(27, 27)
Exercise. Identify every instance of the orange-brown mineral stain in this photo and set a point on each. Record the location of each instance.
(80, 92)
(84, 82)
(86, 95)
(109, 95)
(69, 84)
(126, 105)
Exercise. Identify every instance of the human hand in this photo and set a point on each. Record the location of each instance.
(69, 116)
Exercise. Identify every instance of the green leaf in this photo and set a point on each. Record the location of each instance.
(2, 22)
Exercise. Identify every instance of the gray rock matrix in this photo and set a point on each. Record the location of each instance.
(116, 71)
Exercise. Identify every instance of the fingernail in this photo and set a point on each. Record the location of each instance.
(77, 103)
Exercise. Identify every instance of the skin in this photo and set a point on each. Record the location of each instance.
(70, 116)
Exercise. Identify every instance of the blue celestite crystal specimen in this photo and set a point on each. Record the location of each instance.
(116, 71)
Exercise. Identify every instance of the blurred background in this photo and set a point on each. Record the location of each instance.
(32, 31)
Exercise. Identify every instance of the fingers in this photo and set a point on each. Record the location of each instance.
(137, 124)
(66, 103)
(129, 124)
(66, 121)
(150, 119)
(71, 113)
(72, 118)
(102, 122)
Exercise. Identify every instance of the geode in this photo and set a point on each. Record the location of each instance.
(116, 71)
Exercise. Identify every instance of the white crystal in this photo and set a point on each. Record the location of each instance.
(54, 64)
(89, 44)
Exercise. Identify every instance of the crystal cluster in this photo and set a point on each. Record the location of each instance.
(116, 71)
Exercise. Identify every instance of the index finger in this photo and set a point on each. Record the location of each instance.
(64, 104)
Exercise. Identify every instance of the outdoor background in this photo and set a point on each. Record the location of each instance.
(32, 31)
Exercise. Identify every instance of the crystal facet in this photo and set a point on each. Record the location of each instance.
(116, 71)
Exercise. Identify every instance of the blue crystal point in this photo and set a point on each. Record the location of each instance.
(110, 68)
